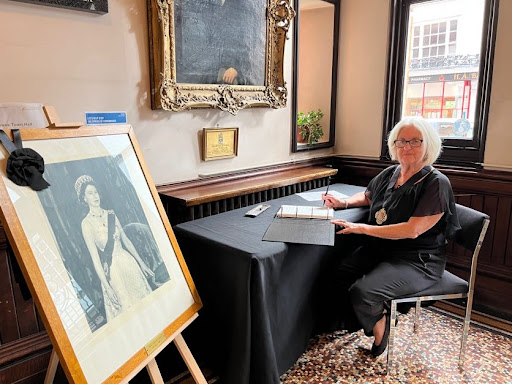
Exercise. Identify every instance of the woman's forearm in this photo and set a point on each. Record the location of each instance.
(407, 230)
(357, 200)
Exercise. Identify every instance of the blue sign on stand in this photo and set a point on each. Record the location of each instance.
(104, 118)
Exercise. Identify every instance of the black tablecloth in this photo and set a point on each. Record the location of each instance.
(262, 300)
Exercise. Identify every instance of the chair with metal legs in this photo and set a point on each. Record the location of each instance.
(474, 225)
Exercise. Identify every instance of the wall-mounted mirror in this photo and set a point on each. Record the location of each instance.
(315, 69)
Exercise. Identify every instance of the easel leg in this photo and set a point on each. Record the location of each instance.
(189, 360)
(154, 372)
(52, 368)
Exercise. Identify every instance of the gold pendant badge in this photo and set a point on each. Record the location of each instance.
(381, 216)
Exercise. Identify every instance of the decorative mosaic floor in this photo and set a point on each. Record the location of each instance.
(429, 356)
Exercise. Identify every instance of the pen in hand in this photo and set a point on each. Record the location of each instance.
(327, 190)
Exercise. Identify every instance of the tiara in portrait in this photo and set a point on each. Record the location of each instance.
(84, 179)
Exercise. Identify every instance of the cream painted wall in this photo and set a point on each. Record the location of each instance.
(361, 76)
(361, 83)
(81, 62)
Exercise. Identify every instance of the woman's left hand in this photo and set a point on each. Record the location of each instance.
(348, 227)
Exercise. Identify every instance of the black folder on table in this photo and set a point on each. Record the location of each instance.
(302, 231)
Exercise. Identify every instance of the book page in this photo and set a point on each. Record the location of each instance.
(317, 195)
(305, 212)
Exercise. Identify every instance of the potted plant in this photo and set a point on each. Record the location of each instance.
(308, 124)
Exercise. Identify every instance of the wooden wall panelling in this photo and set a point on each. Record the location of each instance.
(501, 230)
(25, 312)
(488, 204)
(8, 320)
(24, 345)
(26, 371)
(508, 253)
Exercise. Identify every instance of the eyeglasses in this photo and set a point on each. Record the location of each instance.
(414, 143)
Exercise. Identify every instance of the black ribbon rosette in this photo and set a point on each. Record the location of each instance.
(24, 165)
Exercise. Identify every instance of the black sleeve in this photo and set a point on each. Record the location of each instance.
(437, 197)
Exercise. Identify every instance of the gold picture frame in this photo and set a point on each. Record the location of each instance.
(95, 339)
(176, 37)
(220, 143)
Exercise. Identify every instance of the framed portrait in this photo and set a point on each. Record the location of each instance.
(95, 6)
(225, 54)
(97, 251)
(220, 143)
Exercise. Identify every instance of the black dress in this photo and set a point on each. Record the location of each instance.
(382, 269)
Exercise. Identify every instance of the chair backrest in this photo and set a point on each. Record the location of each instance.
(472, 223)
(471, 236)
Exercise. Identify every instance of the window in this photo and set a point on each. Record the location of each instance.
(440, 67)
(433, 38)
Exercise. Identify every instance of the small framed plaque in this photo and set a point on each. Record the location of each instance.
(220, 143)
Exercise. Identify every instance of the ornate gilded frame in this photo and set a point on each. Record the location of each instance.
(167, 94)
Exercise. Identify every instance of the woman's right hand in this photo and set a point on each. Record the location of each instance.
(332, 201)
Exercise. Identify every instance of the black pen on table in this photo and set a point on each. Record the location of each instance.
(327, 190)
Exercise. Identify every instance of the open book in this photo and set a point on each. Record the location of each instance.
(305, 212)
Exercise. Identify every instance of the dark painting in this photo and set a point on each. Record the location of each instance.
(96, 6)
(220, 41)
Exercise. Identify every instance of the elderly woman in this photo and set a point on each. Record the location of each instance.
(412, 211)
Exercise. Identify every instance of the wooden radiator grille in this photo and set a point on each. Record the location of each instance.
(229, 204)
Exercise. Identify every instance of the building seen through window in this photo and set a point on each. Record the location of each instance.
(442, 68)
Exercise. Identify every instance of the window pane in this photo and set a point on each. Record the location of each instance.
(449, 89)
(443, 90)
(414, 100)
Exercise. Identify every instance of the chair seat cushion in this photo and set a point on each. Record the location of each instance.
(448, 284)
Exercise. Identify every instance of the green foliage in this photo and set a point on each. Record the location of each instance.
(309, 125)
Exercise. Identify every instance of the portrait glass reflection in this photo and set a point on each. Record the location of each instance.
(220, 41)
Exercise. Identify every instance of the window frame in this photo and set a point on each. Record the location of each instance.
(455, 151)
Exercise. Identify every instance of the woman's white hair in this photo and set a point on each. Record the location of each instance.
(431, 139)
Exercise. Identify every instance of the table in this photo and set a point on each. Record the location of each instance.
(262, 300)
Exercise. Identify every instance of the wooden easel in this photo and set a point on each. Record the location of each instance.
(54, 120)
(149, 362)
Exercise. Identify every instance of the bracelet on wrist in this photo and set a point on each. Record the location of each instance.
(346, 203)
